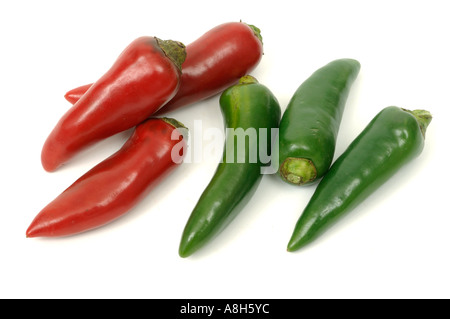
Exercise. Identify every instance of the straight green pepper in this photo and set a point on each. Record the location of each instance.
(251, 108)
(310, 124)
(393, 138)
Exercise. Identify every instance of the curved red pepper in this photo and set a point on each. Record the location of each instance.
(215, 61)
(115, 185)
(144, 77)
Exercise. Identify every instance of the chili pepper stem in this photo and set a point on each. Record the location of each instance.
(248, 79)
(298, 171)
(174, 50)
(256, 31)
(183, 130)
(423, 117)
(173, 122)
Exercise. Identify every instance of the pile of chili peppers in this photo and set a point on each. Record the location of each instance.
(153, 76)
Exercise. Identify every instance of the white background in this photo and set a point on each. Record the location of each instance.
(395, 245)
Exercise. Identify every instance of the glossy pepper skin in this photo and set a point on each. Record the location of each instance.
(144, 77)
(116, 185)
(311, 121)
(391, 140)
(247, 105)
(215, 61)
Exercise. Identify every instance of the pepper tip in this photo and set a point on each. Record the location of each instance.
(295, 245)
(30, 233)
(183, 252)
(291, 247)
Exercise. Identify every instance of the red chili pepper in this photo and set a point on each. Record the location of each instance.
(215, 61)
(144, 77)
(115, 185)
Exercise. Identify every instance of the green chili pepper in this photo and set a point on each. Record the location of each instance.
(252, 109)
(392, 139)
(310, 124)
